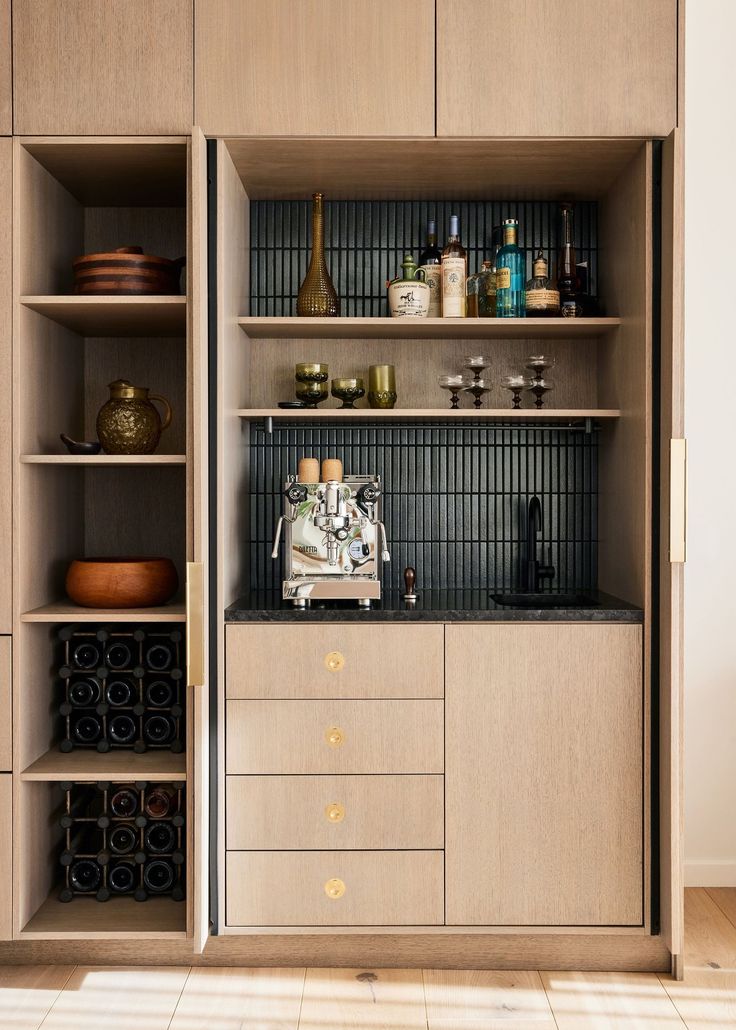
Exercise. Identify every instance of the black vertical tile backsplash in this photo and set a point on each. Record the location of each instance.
(455, 497)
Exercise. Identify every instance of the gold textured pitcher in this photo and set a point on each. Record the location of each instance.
(317, 296)
(128, 423)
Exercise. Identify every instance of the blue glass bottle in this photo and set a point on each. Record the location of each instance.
(510, 274)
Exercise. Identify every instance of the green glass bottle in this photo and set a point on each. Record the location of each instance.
(510, 274)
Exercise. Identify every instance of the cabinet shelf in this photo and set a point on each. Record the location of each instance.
(430, 414)
(118, 918)
(114, 316)
(104, 459)
(115, 765)
(265, 328)
(66, 611)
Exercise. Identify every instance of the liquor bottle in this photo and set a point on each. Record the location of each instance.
(87, 729)
(118, 656)
(122, 729)
(475, 284)
(159, 875)
(510, 269)
(317, 296)
(454, 273)
(85, 875)
(160, 800)
(568, 282)
(159, 657)
(160, 838)
(122, 839)
(159, 694)
(86, 656)
(120, 693)
(84, 693)
(121, 877)
(431, 261)
(158, 729)
(124, 803)
(542, 300)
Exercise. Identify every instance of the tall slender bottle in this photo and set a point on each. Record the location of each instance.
(431, 261)
(454, 273)
(510, 274)
(568, 281)
(317, 296)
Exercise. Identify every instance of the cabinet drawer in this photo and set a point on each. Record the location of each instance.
(335, 888)
(335, 660)
(334, 737)
(341, 812)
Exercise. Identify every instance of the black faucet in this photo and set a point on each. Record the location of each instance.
(534, 570)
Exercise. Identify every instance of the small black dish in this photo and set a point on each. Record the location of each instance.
(80, 446)
(292, 404)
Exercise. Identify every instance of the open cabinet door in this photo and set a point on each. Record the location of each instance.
(197, 579)
(672, 550)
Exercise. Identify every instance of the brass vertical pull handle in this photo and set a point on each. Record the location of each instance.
(678, 501)
(195, 624)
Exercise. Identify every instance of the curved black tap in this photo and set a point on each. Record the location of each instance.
(534, 570)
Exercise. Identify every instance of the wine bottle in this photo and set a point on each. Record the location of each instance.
(510, 274)
(431, 261)
(121, 877)
(159, 875)
(158, 657)
(119, 693)
(160, 838)
(87, 729)
(124, 802)
(159, 694)
(86, 656)
(84, 693)
(454, 273)
(118, 656)
(158, 729)
(159, 801)
(122, 839)
(122, 729)
(85, 875)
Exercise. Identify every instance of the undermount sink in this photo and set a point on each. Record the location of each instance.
(545, 600)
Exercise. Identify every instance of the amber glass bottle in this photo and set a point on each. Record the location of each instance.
(317, 296)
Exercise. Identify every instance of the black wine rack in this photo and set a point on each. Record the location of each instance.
(137, 854)
(116, 696)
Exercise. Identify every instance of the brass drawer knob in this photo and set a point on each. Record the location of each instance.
(334, 889)
(334, 661)
(335, 813)
(334, 736)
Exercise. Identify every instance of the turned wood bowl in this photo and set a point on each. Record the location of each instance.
(121, 582)
(126, 271)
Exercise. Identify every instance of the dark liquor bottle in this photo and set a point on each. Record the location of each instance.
(124, 803)
(120, 693)
(121, 878)
(160, 838)
(159, 694)
(85, 875)
(118, 656)
(487, 296)
(86, 729)
(568, 282)
(122, 729)
(431, 261)
(158, 729)
(541, 300)
(454, 273)
(159, 801)
(122, 839)
(159, 875)
(84, 693)
(86, 656)
(159, 657)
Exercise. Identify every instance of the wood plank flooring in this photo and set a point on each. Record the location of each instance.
(203, 998)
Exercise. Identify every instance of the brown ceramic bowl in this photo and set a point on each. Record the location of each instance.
(126, 271)
(121, 582)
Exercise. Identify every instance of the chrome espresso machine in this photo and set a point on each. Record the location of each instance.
(334, 538)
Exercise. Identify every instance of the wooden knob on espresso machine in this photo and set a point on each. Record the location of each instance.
(410, 581)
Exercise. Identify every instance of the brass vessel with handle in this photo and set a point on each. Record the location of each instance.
(128, 422)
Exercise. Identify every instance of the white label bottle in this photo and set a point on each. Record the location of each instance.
(454, 273)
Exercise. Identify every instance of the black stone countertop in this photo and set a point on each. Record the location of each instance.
(430, 606)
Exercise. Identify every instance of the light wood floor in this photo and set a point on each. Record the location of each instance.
(179, 998)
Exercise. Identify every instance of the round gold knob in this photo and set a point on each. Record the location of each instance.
(334, 661)
(335, 813)
(334, 889)
(334, 736)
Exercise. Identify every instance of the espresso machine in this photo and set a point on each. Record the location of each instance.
(334, 539)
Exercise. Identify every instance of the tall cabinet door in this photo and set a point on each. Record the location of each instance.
(6, 64)
(6, 456)
(197, 593)
(557, 68)
(544, 775)
(673, 465)
(118, 67)
(314, 68)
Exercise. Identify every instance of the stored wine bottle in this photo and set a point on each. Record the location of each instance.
(159, 801)
(122, 840)
(568, 282)
(85, 875)
(159, 875)
(86, 656)
(159, 657)
(160, 838)
(158, 729)
(86, 729)
(454, 273)
(431, 261)
(120, 693)
(84, 693)
(121, 877)
(510, 274)
(159, 694)
(118, 656)
(122, 729)
(124, 802)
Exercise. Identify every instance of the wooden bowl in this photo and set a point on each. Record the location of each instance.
(121, 582)
(126, 271)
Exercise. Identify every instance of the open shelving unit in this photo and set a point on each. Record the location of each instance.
(76, 196)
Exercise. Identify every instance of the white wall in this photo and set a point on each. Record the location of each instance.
(710, 412)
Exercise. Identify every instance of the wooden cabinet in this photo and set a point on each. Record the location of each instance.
(6, 397)
(6, 858)
(556, 69)
(6, 712)
(81, 67)
(544, 775)
(314, 68)
(6, 64)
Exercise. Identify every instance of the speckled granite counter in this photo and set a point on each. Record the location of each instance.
(430, 606)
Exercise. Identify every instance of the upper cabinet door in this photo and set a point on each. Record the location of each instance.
(6, 98)
(556, 68)
(314, 68)
(6, 398)
(122, 67)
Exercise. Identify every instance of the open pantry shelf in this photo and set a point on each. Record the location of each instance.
(118, 918)
(422, 414)
(104, 459)
(265, 328)
(66, 611)
(84, 764)
(114, 316)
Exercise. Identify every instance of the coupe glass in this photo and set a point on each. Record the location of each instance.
(516, 383)
(454, 385)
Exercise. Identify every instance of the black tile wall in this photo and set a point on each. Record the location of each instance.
(455, 497)
(365, 242)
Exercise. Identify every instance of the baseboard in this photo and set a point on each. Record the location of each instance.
(710, 874)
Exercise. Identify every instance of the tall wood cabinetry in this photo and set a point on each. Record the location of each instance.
(6, 520)
(6, 66)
